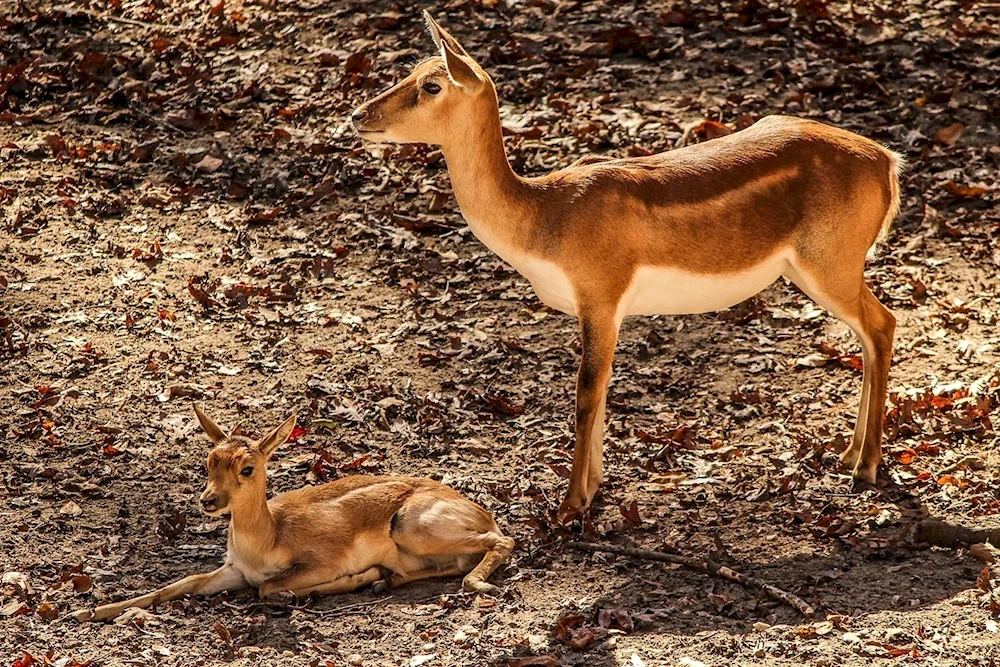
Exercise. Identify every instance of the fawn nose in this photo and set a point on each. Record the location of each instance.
(208, 502)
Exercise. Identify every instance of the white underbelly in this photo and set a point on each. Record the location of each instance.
(657, 290)
(654, 290)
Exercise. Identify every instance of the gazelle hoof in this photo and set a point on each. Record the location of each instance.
(849, 459)
(82, 615)
(480, 586)
(569, 511)
(381, 586)
(861, 484)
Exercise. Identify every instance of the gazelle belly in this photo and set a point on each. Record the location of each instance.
(654, 290)
(658, 290)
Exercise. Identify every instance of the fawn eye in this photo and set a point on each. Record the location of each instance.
(431, 88)
(247, 472)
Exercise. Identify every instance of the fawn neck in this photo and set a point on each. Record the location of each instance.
(253, 524)
(488, 192)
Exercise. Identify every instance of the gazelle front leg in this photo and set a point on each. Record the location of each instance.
(226, 578)
(599, 335)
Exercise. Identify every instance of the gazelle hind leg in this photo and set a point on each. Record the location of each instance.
(849, 299)
(880, 329)
(595, 472)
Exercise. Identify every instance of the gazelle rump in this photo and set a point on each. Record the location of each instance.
(331, 538)
(691, 230)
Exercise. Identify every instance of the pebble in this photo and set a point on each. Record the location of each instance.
(355, 659)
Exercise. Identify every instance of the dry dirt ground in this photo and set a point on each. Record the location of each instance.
(187, 216)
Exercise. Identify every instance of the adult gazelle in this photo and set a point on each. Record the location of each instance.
(692, 230)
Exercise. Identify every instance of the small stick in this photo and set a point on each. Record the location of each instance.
(343, 610)
(120, 19)
(702, 565)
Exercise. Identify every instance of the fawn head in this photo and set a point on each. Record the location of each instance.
(237, 465)
(444, 98)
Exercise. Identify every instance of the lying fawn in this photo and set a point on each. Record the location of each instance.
(692, 230)
(331, 538)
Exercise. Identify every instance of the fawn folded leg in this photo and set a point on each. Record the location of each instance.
(344, 584)
(400, 578)
(499, 548)
(303, 582)
(599, 335)
(226, 578)
(450, 533)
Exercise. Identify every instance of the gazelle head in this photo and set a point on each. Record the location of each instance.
(237, 465)
(442, 99)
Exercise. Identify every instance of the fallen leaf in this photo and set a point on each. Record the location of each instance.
(947, 136)
(71, 509)
(208, 164)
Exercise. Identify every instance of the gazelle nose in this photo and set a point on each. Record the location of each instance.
(359, 116)
(208, 503)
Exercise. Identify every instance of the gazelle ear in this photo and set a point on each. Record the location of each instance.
(442, 36)
(210, 428)
(277, 437)
(459, 69)
(456, 59)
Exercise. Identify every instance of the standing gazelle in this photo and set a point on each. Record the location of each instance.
(688, 231)
(331, 538)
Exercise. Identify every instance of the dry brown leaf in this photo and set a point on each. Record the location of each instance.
(947, 136)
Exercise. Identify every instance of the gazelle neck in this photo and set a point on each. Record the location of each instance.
(253, 524)
(488, 191)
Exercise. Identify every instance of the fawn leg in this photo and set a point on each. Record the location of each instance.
(226, 578)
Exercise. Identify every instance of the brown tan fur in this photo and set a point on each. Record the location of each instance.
(332, 538)
(785, 187)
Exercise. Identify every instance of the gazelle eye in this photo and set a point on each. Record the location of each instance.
(431, 88)
(247, 472)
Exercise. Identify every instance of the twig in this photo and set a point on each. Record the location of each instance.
(120, 19)
(702, 565)
(339, 611)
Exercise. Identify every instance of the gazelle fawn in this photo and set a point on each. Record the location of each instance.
(331, 538)
(692, 230)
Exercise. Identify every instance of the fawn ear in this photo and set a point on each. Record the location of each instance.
(277, 437)
(210, 428)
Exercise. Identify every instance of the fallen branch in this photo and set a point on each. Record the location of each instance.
(939, 533)
(702, 565)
